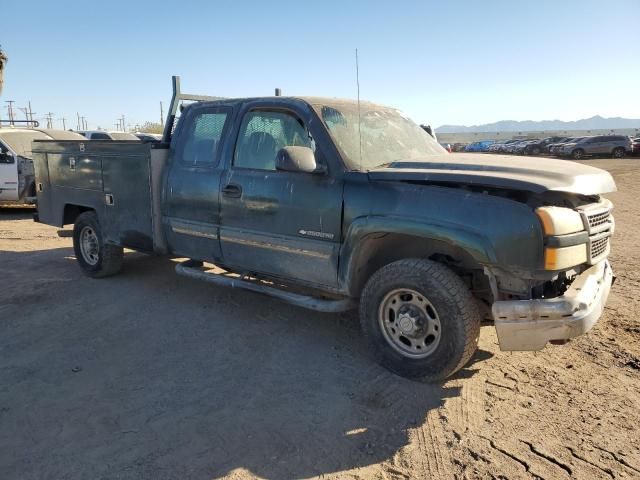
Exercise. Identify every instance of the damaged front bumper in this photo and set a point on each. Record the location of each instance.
(530, 324)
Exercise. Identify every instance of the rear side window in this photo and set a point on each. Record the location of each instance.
(202, 139)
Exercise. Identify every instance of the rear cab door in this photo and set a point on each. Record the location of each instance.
(191, 213)
(281, 224)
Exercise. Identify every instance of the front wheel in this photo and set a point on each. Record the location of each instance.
(96, 258)
(420, 320)
(578, 154)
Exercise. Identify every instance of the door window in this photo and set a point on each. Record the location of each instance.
(263, 134)
(200, 148)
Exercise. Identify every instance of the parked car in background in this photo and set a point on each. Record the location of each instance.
(107, 135)
(446, 146)
(616, 146)
(149, 137)
(540, 146)
(482, 146)
(459, 147)
(520, 147)
(505, 146)
(635, 146)
(554, 148)
(17, 177)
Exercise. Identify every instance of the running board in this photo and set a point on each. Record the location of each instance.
(190, 269)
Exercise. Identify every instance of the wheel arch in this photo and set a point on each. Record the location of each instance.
(72, 211)
(371, 244)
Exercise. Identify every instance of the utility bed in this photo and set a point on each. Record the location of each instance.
(118, 179)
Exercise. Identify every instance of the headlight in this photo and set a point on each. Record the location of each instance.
(559, 220)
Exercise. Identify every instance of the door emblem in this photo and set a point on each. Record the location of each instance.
(311, 233)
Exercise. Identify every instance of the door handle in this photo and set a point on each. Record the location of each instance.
(232, 190)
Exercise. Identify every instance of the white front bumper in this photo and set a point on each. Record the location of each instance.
(530, 324)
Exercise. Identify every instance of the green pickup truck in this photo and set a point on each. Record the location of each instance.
(334, 205)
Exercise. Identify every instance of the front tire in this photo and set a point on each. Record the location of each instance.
(577, 154)
(420, 319)
(96, 258)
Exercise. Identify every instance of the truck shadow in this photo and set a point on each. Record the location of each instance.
(16, 213)
(149, 374)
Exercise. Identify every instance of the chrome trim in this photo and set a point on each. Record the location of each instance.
(273, 246)
(193, 233)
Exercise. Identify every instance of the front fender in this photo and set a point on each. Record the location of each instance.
(474, 243)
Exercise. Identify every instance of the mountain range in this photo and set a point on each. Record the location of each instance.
(594, 123)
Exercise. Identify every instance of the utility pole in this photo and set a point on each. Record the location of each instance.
(25, 110)
(64, 123)
(78, 124)
(49, 117)
(30, 113)
(161, 114)
(10, 111)
(83, 123)
(123, 124)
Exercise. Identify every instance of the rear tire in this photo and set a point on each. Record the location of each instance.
(618, 152)
(96, 259)
(536, 151)
(419, 319)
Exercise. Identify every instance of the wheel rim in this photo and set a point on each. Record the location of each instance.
(577, 154)
(617, 153)
(409, 323)
(536, 151)
(89, 246)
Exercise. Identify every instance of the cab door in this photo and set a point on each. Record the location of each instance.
(8, 174)
(191, 217)
(281, 224)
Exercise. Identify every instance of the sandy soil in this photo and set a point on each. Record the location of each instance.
(151, 375)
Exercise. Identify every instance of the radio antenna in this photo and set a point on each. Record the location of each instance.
(358, 93)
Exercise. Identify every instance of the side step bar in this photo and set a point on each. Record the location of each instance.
(191, 269)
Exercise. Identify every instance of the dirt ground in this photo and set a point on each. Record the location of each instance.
(150, 375)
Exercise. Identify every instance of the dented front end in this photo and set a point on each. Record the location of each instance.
(570, 302)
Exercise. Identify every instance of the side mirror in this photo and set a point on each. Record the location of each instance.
(297, 159)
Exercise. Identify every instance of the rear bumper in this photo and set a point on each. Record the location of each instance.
(530, 324)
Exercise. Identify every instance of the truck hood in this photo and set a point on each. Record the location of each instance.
(534, 174)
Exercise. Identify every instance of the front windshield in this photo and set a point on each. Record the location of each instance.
(387, 135)
(123, 136)
(20, 140)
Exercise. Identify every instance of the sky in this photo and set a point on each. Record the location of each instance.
(454, 62)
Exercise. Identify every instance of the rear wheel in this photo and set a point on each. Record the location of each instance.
(96, 258)
(536, 151)
(419, 319)
(577, 154)
(618, 152)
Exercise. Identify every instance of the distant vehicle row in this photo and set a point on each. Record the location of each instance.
(616, 146)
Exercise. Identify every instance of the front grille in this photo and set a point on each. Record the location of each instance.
(598, 219)
(599, 223)
(599, 247)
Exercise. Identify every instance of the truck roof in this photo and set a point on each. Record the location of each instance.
(329, 101)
